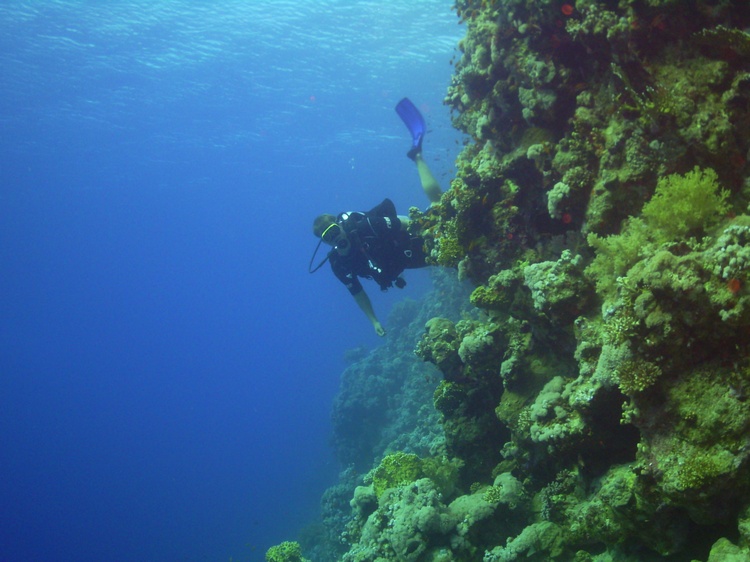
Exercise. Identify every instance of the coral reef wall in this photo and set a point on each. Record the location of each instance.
(598, 408)
(385, 405)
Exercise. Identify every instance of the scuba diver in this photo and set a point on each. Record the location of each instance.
(377, 244)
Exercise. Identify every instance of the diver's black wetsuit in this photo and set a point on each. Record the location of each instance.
(381, 248)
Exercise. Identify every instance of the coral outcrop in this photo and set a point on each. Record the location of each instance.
(288, 551)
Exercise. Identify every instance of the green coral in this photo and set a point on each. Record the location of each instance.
(487, 299)
(288, 551)
(544, 537)
(499, 292)
(493, 494)
(694, 443)
(395, 470)
(637, 376)
(439, 345)
(702, 467)
(448, 250)
(558, 289)
(444, 473)
(448, 397)
(682, 205)
(724, 550)
(722, 37)
(685, 205)
(481, 345)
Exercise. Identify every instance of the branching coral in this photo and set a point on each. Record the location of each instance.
(637, 376)
(685, 205)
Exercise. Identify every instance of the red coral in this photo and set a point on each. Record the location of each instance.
(734, 285)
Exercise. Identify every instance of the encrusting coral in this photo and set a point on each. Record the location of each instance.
(594, 405)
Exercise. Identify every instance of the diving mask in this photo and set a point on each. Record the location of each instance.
(336, 237)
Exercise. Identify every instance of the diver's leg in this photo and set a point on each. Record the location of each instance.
(429, 183)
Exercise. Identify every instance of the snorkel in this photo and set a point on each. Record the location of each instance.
(335, 236)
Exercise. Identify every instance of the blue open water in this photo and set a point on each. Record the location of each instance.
(167, 364)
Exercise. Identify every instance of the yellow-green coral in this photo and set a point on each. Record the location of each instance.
(616, 254)
(443, 472)
(499, 291)
(288, 551)
(394, 470)
(448, 397)
(701, 468)
(487, 299)
(439, 345)
(637, 376)
(682, 205)
(685, 205)
(493, 494)
(623, 324)
(448, 250)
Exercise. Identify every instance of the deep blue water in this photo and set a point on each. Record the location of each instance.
(167, 364)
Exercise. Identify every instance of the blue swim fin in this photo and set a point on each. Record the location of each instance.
(414, 122)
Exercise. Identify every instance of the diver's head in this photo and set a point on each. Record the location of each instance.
(329, 231)
(322, 222)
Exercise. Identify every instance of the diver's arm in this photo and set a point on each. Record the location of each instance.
(363, 301)
(429, 183)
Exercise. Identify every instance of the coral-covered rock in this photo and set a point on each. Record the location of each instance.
(695, 442)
